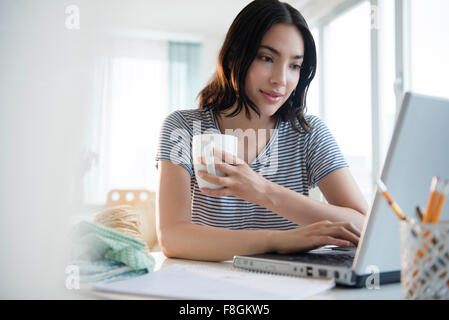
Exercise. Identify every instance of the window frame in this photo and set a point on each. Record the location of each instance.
(402, 82)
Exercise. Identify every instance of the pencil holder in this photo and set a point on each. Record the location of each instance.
(425, 260)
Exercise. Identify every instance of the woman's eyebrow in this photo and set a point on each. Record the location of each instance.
(276, 52)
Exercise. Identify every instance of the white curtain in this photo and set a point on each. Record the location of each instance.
(184, 75)
(130, 101)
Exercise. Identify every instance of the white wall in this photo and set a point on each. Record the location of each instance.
(211, 47)
(46, 81)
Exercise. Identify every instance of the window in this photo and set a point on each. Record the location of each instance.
(429, 47)
(348, 59)
(347, 89)
(138, 103)
(313, 99)
(386, 54)
(184, 75)
(134, 96)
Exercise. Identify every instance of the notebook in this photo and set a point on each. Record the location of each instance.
(215, 281)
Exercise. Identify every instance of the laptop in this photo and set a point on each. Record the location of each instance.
(419, 150)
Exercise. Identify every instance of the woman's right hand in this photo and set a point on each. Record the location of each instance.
(313, 236)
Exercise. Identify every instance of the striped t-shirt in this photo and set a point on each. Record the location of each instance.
(297, 161)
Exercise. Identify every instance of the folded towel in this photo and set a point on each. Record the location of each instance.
(105, 271)
(103, 253)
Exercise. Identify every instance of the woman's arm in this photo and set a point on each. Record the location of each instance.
(178, 237)
(346, 202)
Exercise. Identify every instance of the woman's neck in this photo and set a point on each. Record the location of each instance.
(240, 121)
(253, 134)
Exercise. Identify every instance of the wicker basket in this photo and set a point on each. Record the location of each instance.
(425, 260)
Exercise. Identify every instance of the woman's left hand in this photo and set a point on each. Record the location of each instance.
(241, 181)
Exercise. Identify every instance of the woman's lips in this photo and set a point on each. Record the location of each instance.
(271, 97)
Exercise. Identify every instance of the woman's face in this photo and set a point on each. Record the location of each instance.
(274, 73)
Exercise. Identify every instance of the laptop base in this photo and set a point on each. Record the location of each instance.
(369, 280)
(316, 264)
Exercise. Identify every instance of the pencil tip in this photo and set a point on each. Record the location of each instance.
(381, 185)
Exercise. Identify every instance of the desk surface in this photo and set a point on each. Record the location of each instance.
(385, 292)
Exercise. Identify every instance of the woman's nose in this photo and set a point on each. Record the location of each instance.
(279, 76)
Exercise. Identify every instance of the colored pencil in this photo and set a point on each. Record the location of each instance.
(397, 210)
(433, 200)
(442, 194)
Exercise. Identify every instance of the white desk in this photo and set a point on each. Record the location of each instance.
(385, 292)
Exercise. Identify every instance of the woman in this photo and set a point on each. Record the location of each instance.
(265, 66)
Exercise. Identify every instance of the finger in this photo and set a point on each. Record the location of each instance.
(227, 157)
(219, 164)
(217, 180)
(346, 225)
(351, 227)
(223, 167)
(216, 192)
(345, 234)
(329, 240)
(201, 160)
(355, 229)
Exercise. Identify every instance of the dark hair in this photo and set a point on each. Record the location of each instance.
(240, 49)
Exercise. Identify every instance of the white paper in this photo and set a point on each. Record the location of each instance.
(220, 281)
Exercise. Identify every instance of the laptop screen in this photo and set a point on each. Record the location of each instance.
(419, 150)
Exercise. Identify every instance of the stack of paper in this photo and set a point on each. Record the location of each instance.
(219, 281)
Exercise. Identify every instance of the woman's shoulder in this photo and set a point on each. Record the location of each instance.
(190, 119)
(186, 114)
(318, 126)
(313, 120)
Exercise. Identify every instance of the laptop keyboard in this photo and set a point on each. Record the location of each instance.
(342, 257)
(344, 260)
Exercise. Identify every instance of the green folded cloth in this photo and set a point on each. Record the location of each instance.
(105, 271)
(95, 243)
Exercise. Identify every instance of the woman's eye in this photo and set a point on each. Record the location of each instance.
(265, 58)
(296, 67)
